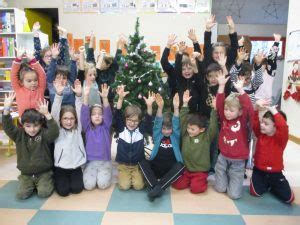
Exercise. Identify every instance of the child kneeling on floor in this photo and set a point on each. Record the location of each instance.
(272, 136)
(34, 158)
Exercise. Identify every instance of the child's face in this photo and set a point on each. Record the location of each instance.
(47, 57)
(32, 129)
(61, 79)
(212, 78)
(91, 75)
(166, 131)
(132, 122)
(247, 79)
(30, 81)
(267, 127)
(231, 112)
(68, 120)
(187, 71)
(96, 116)
(194, 130)
(218, 52)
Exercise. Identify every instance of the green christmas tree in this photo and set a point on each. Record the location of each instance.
(139, 71)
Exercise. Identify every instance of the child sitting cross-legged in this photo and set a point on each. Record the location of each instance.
(165, 164)
(34, 158)
(196, 141)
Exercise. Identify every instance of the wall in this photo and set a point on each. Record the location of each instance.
(291, 108)
(155, 27)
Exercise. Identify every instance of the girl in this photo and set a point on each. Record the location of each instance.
(69, 153)
(27, 80)
(96, 122)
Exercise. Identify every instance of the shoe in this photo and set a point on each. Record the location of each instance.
(211, 171)
(155, 192)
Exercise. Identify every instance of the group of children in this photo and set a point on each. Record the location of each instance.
(209, 130)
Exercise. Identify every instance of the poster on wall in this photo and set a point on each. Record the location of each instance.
(186, 6)
(202, 6)
(293, 46)
(109, 6)
(166, 6)
(128, 5)
(90, 6)
(147, 6)
(72, 6)
(293, 83)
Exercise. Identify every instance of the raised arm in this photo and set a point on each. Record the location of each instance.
(52, 67)
(36, 41)
(73, 68)
(184, 111)
(272, 57)
(56, 106)
(90, 56)
(234, 46)
(107, 114)
(210, 23)
(258, 74)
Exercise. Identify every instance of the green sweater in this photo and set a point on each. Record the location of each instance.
(33, 153)
(196, 150)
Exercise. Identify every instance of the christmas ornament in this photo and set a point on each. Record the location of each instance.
(140, 96)
(139, 81)
(159, 89)
(150, 84)
(126, 65)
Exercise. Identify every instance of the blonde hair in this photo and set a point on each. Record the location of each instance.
(186, 61)
(133, 110)
(89, 66)
(233, 100)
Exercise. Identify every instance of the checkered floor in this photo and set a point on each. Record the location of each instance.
(113, 207)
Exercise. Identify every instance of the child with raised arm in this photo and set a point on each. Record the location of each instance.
(272, 134)
(34, 158)
(196, 141)
(69, 152)
(27, 80)
(130, 149)
(96, 123)
(165, 164)
(235, 113)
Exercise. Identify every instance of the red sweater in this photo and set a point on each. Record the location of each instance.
(26, 98)
(233, 138)
(269, 149)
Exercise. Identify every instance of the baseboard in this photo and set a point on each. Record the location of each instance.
(294, 139)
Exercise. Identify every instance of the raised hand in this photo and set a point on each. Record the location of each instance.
(198, 56)
(159, 101)
(241, 41)
(182, 47)
(104, 90)
(239, 84)
(192, 35)
(59, 88)
(222, 60)
(230, 24)
(222, 79)
(277, 37)
(55, 50)
(74, 56)
(20, 52)
(121, 42)
(186, 97)
(176, 101)
(81, 49)
(62, 32)
(171, 40)
(77, 88)
(262, 103)
(29, 54)
(43, 107)
(259, 57)
(121, 91)
(210, 22)
(35, 29)
(9, 99)
(151, 98)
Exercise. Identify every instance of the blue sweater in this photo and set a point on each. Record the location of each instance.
(175, 137)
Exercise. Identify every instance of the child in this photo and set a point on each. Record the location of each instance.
(87, 76)
(61, 74)
(272, 137)
(96, 123)
(165, 164)
(235, 112)
(28, 81)
(69, 153)
(196, 141)
(34, 158)
(130, 149)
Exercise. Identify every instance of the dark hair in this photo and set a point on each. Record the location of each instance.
(71, 109)
(213, 67)
(62, 70)
(269, 115)
(167, 120)
(198, 120)
(32, 116)
(25, 68)
(246, 69)
(220, 44)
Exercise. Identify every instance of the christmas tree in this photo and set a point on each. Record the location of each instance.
(139, 71)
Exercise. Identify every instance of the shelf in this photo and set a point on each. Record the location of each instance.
(8, 68)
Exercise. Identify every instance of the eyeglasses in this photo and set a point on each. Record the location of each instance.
(132, 121)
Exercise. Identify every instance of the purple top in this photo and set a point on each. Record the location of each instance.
(98, 140)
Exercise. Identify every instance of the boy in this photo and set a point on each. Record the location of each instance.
(272, 137)
(235, 112)
(196, 140)
(165, 164)
(130, 149)
(34, 158)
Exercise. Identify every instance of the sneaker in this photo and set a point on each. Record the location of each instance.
(155, 192)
